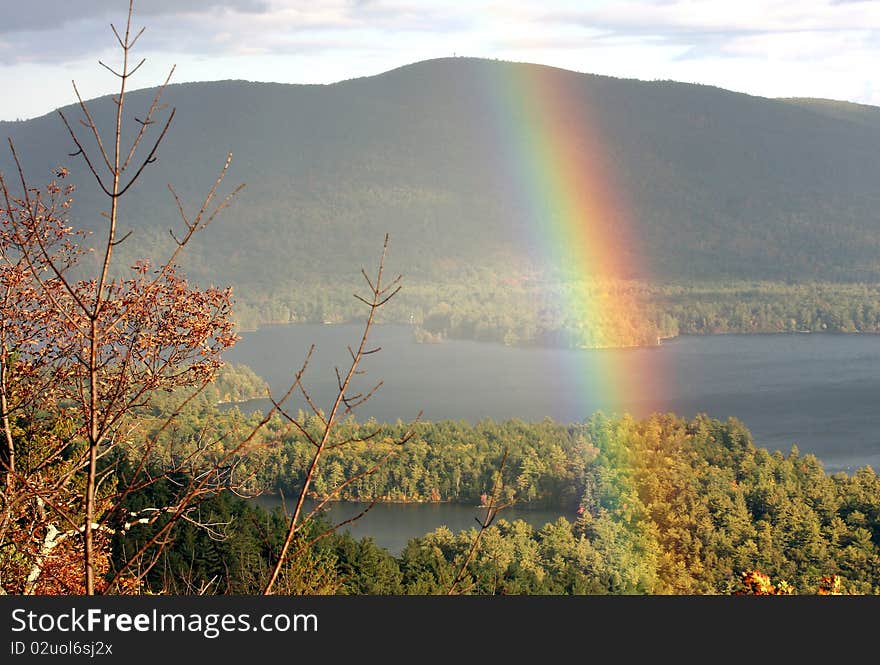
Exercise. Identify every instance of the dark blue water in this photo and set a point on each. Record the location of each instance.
(821, 392)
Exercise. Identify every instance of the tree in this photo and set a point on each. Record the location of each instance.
(92, 349)
(83, 355)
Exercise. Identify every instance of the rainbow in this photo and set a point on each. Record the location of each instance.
(580, 226)
(578, 223)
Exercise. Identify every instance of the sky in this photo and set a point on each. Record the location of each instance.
(771, 48)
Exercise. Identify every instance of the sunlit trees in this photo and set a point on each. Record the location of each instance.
(82, 353)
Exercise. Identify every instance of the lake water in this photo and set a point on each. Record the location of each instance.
(392, 525)
(821, 392)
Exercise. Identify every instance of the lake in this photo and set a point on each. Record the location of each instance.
(392, 525)
(819, 391)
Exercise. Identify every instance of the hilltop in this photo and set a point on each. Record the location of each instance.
(720, 186)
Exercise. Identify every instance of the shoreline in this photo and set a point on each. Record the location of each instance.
(436, 339)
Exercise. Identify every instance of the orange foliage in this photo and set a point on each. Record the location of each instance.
(831, 585)
(756, 583)
(62, 571)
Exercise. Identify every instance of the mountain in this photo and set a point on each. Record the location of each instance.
(719, 185)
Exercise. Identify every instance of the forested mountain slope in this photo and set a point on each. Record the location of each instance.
(716, 185)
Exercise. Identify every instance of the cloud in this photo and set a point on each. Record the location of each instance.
(229, 27)
(342, 38)
(677, 19)
(712, 29)
(40, 15)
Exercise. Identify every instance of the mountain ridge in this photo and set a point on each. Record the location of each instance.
(718, 185)
(443, 59)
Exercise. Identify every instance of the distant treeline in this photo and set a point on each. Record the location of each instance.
(665, 505)
(524, 311)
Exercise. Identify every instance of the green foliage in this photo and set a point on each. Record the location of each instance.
(223, 558)
(444, 461)
(676, 507)
(501, 305)
(237, 383)
(664, 506)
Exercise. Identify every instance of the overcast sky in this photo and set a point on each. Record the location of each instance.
(773, 48)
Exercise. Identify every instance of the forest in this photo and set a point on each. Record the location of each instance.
(663, 505)
(488, 306)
